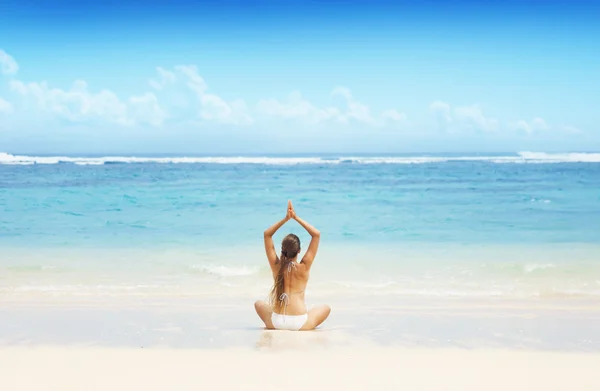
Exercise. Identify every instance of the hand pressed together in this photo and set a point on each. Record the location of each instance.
(291, 213)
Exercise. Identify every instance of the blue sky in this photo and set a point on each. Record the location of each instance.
(298, 76)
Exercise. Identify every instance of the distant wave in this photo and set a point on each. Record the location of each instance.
(575, 157)
(521, 157)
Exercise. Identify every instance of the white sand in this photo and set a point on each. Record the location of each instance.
(360, 368)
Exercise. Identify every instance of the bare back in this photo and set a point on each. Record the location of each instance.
(295, 280)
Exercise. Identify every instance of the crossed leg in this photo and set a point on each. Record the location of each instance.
(316, 316)
(264, 312)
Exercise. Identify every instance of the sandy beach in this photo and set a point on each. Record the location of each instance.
(81, 368)
(424, 346)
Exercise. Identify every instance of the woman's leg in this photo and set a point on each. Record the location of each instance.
(264, 311)
(316, 316)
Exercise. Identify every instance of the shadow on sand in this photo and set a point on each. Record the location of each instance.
(284, 339)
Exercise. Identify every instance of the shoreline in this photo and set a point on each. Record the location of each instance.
(361, 272)
(392, 302)
(192, 324)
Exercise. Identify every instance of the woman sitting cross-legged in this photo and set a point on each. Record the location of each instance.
(286, 309)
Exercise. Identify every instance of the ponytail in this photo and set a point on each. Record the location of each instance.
(278, 285)
(289, 250)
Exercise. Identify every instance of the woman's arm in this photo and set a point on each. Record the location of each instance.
(268, 236)
(315, 234)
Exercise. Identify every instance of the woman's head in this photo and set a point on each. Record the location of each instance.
(290, 246)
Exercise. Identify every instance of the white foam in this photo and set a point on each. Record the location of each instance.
(535, 266)
(6, 158)
(227, 271)
(544, 201)
(521, 157)
(575, 157)
(364, 285)
(81, 288)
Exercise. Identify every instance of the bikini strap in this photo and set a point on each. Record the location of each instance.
(290, 265)
(285, 299)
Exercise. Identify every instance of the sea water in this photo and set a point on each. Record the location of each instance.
(506, 225)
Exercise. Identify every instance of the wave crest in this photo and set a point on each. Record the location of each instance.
(521, 157)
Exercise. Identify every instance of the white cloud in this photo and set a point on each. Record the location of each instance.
(145, 108)
(164, 78)
(211, 107)
(538, 124)
(194, 81)
(75, 104)
(535, 125)
(78, 104)
(296, 107)
(182, 94)
(473, 116)
(186, 94)
(8, 65)
(216, 109)
(355, 109)
(5, 106)
(465, 116)
(393, 115)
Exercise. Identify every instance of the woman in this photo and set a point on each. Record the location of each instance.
(286, 309)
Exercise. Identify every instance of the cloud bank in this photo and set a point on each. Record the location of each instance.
(181, 95)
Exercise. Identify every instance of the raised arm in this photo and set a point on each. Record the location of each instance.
(268, 236)
(315, 235)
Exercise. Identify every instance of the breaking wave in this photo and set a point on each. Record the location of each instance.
(521, 157)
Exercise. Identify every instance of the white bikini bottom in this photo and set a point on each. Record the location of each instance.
(288, 322)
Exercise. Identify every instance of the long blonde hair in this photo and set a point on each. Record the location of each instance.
(290, 247)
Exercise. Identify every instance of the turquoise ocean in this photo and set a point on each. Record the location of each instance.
(513, 225)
